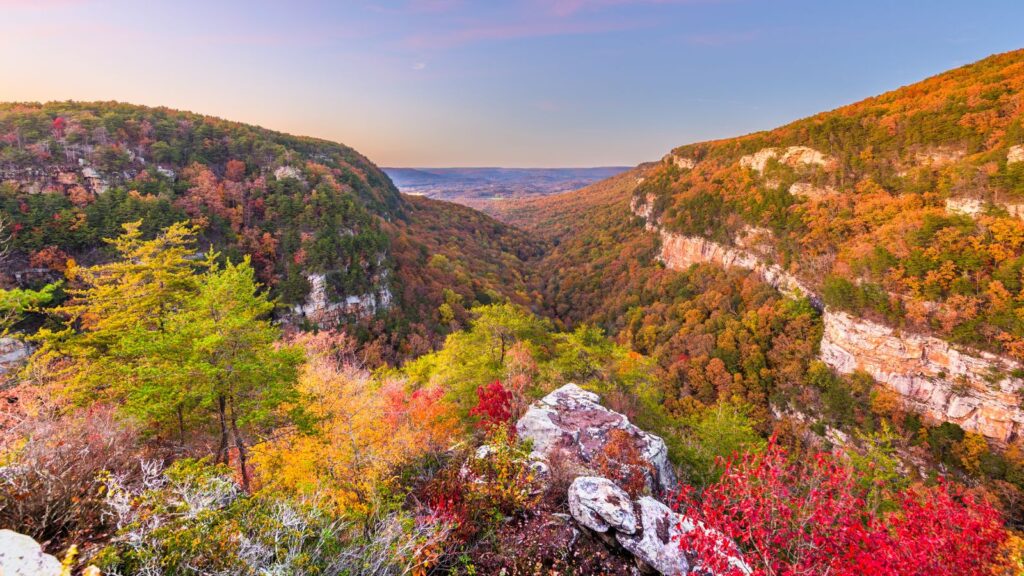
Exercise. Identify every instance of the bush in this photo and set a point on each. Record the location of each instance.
(50, 485)
(194, 519)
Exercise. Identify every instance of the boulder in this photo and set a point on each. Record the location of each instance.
(570, 423)
(657, 542)
(20, 555)
(597, 503)
(12, 353)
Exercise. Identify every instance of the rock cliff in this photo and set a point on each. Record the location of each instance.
(319, 309)
(977, 391)
(980, 392)
(679, 252)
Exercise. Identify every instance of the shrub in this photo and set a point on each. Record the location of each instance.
(50, 481)
(194, 519)
(810, 517)
(493, 407)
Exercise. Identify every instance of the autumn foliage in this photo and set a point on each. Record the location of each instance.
(493, 406)
(795, 518)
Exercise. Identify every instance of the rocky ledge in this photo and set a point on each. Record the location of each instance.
(977, 391)
(571, 423)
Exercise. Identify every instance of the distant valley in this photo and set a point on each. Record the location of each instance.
(478, 187)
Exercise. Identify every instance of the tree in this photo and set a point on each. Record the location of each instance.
(172, 346)
(223, 341)
(362, 431)
(115, 308)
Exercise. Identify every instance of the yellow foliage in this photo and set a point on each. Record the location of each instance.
(970, 450)
(363, 432)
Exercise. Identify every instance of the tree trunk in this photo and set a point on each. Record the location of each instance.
(222, 450)
(181, 426)
(240, 444)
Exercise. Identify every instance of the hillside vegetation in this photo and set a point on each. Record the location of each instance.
(228, 351)
(903, 207)
(71, 174)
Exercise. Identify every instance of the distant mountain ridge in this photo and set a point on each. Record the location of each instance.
(473, 184)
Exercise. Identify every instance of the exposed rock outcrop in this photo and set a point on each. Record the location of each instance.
(570, 423)
(657, 542)
(20, 555)
(975, 391)
(966, 206)
(283, 172)
(597, 503)
(12, 353)
(939, 156)
(808, 190)
(320, 310)
(791, 156)
(681, 162)
(1015, 154)
(679, 252)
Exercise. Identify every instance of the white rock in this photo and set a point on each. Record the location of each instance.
(967, 206)
(12, 353)
(808, 190)
(20, 555)
(288, 172)
(792, 156)
(600, 505)
(570, 423)
(681, 162)
(657, 544)
(1015, 154)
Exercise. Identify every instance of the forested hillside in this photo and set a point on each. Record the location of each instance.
(71, 174)
(231, 351)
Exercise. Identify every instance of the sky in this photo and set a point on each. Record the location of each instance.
(528, 83)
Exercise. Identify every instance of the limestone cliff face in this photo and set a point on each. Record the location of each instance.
(976, 390)
(679, 252)
(973, 389)
(319, 309)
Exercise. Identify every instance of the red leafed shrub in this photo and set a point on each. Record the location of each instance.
(494, 405)
(621, 460)
(796, 518)
(59, 124)
(49, 257)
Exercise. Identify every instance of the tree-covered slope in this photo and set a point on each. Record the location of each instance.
(904, 207)
(305, 210)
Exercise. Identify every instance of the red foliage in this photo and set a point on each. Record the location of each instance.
(803, 518)
(622, 461)
(234, 171)
(58, 126)
(49, 257)
(494, 405)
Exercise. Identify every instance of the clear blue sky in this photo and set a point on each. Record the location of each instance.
(508, 83)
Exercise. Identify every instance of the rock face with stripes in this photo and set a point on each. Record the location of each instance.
(978, 391)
